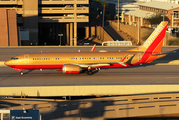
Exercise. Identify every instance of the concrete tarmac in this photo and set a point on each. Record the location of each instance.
(139, 75)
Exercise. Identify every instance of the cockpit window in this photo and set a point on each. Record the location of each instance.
(14, 58)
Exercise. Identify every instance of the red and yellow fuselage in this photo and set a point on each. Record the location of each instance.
(75, 62)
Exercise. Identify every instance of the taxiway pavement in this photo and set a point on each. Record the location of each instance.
(139, 75)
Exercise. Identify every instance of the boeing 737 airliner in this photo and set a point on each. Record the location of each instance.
(78, 62)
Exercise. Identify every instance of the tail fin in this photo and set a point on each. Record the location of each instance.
(155, 41)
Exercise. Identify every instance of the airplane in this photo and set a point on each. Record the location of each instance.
(80, 62)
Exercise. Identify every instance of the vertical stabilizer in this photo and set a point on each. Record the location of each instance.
(155, 40)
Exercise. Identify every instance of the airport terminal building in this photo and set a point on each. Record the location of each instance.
(43, 22)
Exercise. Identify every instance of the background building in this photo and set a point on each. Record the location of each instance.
(8, 28)
(124, 5)
(49, 22)
(147, 9)
(168, 1)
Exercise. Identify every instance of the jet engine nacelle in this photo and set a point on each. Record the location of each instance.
(71, 69)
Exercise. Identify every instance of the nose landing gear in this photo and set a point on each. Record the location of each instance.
(21, 73)
(20, 70)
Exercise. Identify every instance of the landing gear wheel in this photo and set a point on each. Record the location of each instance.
(90, 72)
(21, 73)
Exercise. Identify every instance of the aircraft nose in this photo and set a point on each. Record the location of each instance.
(9, 62)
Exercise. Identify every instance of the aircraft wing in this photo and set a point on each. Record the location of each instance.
(86, 65)
(94, 65)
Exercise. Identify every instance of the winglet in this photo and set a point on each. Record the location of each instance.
(93, 48)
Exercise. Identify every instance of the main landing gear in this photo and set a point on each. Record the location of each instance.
(89, 71)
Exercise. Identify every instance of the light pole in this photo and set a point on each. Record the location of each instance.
(118, 16)
(137, 22)
(138, 29)
(60, 37)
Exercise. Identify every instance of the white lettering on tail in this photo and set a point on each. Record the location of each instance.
(154, 35)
